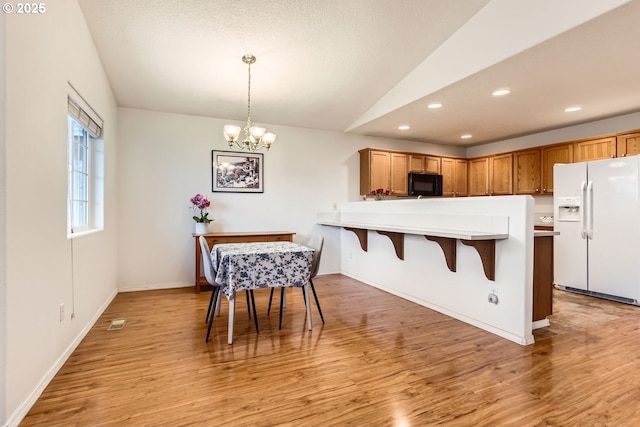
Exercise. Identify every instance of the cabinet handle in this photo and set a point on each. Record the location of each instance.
(544, 190)
(537, 190)
(612, 156)
(624, 155)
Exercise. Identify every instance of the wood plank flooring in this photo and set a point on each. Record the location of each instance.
(378, 361)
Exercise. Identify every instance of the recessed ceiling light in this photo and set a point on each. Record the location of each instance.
(572, 109)
(501, 92)
(404, 127)
(434, 105)
(465, 136)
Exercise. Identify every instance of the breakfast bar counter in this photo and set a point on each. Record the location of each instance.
(480, 269)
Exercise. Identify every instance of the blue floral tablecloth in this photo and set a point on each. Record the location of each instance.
(242, 266)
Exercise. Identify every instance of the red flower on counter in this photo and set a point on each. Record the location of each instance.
(380, 193)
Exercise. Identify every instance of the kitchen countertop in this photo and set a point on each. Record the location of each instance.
(544, 233)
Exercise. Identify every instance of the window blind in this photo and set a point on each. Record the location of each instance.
(80, 110)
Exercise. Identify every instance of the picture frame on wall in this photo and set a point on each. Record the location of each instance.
(237, 172)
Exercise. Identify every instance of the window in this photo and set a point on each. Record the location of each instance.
(85, 166)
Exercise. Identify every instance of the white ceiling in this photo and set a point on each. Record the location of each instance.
(367, 66)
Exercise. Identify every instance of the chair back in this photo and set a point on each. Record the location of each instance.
(315, 242)
(207, 263)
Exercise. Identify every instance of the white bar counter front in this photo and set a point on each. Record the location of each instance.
(447, 254)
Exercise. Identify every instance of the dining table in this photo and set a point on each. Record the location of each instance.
(258, 265)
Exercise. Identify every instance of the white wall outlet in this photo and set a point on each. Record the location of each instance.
(335, 206)
(62, 312)
(493, 298)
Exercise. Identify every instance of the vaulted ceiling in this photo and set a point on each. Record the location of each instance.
(369, 66)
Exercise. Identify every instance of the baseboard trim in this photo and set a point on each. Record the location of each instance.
(28, 403)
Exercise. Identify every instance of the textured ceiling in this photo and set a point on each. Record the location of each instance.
(367, 66)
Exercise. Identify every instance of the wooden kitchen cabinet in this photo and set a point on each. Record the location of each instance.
(491, 175)
(399, 174)
(375, 170)
(501, 174)
(424, 164)
(542, 277)
(527, 171)
(454, 177)
(561, 153)
(478, 176)
(594, 149)
(628, 144)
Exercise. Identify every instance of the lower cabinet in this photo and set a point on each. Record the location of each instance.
(542, 277)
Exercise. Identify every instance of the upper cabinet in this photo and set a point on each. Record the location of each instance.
(399, 174)
(562, 153)
(375, 170)
(491, 175)
(628, 144)
(478, 176)
(527, 170)
(424, 164)
(594, 149)
(501, 174)
(383, 169)
(454, 177)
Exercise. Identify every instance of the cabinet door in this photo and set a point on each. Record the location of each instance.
(479, 176)
(550, 156)
(461, 188)
(399, 170)
(379, 171)
(432, 164)
(501, 175)
(527, 171)
(416, 164)
(594, 149)
(628, 145)
(448, 170)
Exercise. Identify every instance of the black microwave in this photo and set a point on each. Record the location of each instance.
(425, 184)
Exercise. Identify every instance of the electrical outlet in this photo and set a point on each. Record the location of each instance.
(493, 298)
(335, 206)
(62, 312)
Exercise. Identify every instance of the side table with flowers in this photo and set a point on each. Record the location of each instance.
(201, 203)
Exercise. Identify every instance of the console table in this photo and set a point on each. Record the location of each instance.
(230, 237)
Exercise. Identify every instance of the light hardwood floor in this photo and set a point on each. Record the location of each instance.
(379, 361)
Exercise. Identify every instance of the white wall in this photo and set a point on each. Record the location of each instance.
(165, 159)
(622, 123)
(43, 52)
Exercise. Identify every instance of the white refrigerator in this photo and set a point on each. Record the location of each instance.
(597, 212)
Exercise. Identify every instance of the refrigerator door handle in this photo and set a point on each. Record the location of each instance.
(583, 222)
(590, 212)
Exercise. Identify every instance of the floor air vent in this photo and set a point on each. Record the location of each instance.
(116, 325)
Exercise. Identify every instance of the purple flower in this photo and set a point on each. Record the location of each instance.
(201, 203)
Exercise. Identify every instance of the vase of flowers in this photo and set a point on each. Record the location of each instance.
(199, 203)
(380, 194)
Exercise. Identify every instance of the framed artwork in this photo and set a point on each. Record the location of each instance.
(237, 172)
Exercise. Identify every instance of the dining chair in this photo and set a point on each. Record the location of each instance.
(210, 275)
(315, 242)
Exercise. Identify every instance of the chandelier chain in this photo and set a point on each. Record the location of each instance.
(249, 98)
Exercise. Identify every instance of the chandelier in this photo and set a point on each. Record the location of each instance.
(254, 137)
